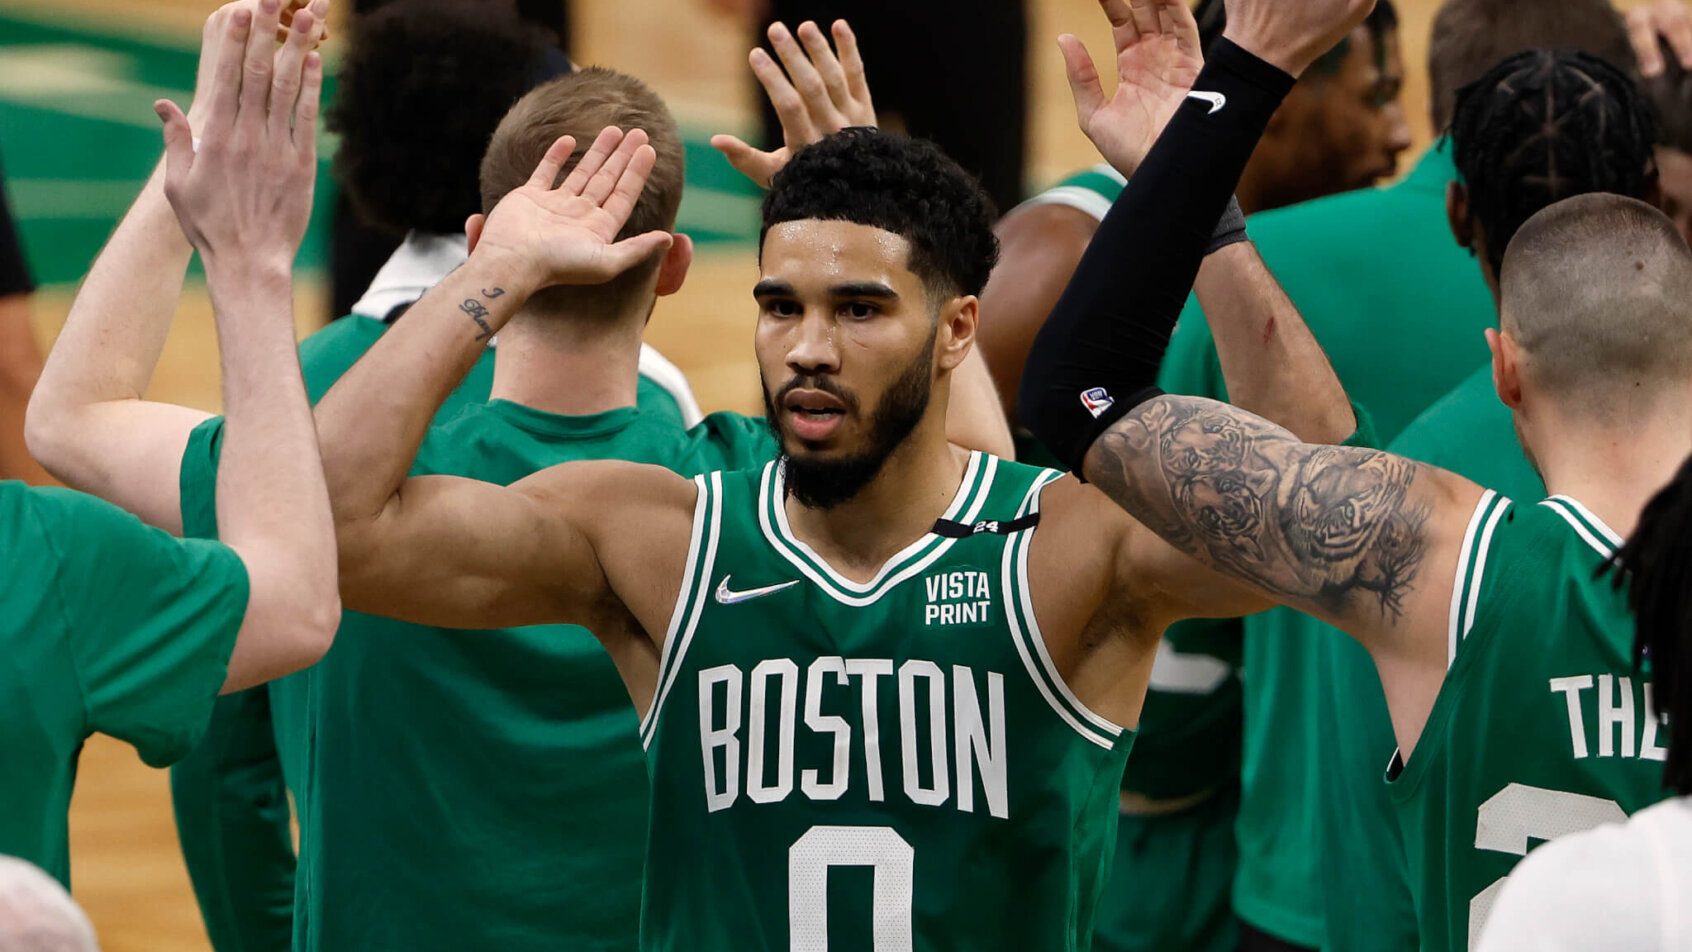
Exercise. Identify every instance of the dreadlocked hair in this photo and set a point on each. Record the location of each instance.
(1543, 126)
(1655, 566)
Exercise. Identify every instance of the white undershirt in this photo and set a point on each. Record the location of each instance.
(1619, 888)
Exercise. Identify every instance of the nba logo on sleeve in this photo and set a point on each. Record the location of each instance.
(1097, 401)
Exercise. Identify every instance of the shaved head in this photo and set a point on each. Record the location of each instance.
(37, 915)
(1597, 293)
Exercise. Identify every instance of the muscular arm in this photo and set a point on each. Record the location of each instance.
(1362, 539)
(88, 423)
(1272, 364)
(461, 553)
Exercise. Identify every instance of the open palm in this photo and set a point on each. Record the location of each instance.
(1157, 60)
(567, 234)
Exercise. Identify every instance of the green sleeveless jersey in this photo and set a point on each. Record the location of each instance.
(1542, 728)
(893, 765)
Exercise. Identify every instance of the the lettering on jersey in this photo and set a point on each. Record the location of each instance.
(1619, 721)
(958, 598)
(947, 736)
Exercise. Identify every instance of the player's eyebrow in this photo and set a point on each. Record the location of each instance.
(864, 289)
(770, 287)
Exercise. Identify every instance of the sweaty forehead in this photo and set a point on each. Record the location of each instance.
(811, 254)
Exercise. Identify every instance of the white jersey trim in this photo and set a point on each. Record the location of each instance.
(658, 369)
(1082, 199)
(1465, 592)
(1585, 524)
(1019, 616)
(696, 586)
(973, 491)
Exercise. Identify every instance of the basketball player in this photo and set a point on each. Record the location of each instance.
(1341, 128)
(1602, 142)
(1626, 888)
(962, 655)
(1483, 616)
(526, 736)
(109, 626)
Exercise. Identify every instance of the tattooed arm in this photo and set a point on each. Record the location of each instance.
(1362, 539)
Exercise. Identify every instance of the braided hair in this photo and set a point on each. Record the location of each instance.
(1547, 125)
(1656, 569)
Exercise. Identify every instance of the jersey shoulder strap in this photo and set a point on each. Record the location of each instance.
(1091, 191)
(1471, 568)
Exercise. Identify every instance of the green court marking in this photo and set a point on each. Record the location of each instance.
(78, 137)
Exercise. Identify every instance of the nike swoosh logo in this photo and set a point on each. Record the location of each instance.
(728, 596)
(1217, 100)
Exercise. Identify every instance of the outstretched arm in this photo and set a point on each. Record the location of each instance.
(1272, 364)
(817, 91)
(88, 423)
(244, 200)
(458, 552)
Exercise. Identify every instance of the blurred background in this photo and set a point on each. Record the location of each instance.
(78, 136)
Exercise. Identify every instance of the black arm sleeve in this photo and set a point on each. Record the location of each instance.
(1097, 356)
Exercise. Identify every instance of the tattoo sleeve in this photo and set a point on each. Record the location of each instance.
(1330, 526)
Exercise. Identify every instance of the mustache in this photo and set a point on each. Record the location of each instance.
(821, 383)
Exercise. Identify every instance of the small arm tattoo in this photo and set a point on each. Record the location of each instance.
(1323, 524)
(479, 313)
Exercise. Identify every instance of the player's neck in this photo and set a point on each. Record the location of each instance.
(567, 369)
(913, 489)
(1613, 471)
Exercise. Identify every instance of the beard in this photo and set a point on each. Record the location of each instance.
(827, 483)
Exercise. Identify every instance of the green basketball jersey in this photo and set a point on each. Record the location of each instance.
(893, 765)
(1542, 728)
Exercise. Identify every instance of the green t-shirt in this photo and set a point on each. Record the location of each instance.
(1400, 310)
(107, 626)
(492, 778)
(1543, 726)
(1468, 432)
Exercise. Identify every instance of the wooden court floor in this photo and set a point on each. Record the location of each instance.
(128, 873)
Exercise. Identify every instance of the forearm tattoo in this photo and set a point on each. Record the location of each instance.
(479, 312)
(1323, 524)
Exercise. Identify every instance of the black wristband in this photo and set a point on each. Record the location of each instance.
(1231, 230)
(1098, 355)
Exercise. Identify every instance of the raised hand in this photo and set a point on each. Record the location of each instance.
(820, 94)
(246, 191)
(1157, 59)
(1292, 34)
(211, 43)
(567, 234)
(1650, 25)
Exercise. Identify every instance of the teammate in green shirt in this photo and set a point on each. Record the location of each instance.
(826, 579)
(1400, 310)
(536, 751)
(113, 627)
(1341, 127)
(1486, 619)
(1469, 431)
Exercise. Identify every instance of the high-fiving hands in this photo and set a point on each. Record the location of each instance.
(246, 191)
(567, 234)
(820, 94)
(1157, 59)
(1292, 34)
(211, 44)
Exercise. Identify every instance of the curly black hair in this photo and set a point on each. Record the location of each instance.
(422, 87)
(1543, 126)
(905, 186)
